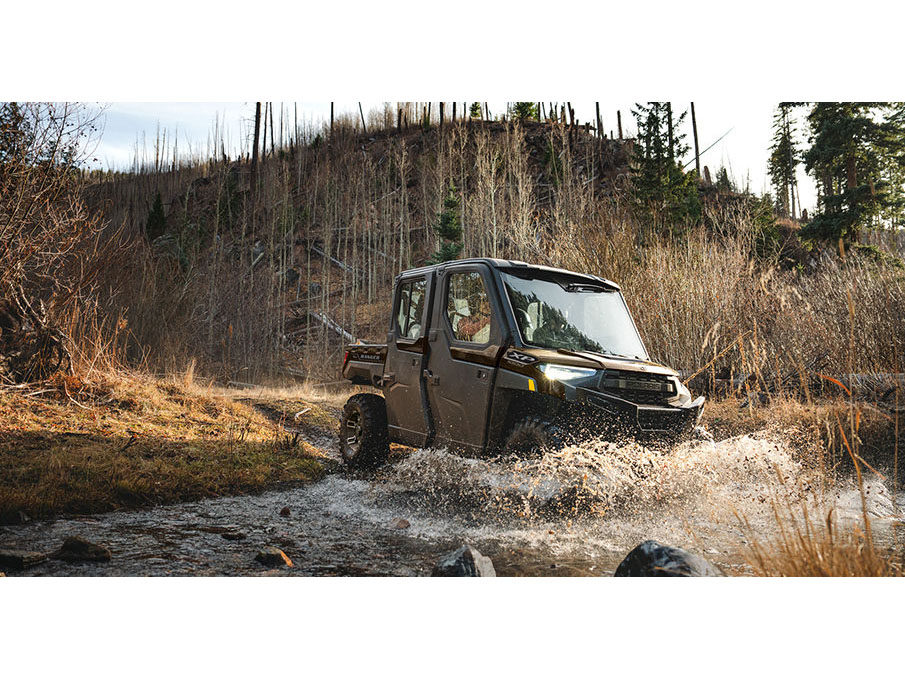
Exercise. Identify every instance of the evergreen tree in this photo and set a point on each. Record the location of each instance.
(157, 222)
(523, 110)
(475, 110)
(856, 148)
(16, 134)
(724, 182)
(449, 228)
(784, 159)
(660, 185)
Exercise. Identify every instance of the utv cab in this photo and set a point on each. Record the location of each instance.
(491, 356)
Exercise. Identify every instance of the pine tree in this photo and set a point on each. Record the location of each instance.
(16, 134)
(856, 148)
(157, 222)
(523, 110)
(449, 228)
(474, 111)
(784, 159)
(660, 185)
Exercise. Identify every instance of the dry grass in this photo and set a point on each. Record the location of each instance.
(808, 546)
(812, 428)
(69, 446)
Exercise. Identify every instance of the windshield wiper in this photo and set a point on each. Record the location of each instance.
(590, 287)
(569, 352)
(608, 354)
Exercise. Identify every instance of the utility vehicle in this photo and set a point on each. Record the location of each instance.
(490, 356)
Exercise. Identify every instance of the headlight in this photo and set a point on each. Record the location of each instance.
(682, 391)
(564, 373)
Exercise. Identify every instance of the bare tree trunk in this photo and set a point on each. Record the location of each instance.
(671, 153)
(619, 123)
(599, 122)
(331, 120)
(694, 129)
(254, 151)
(364, 128)
(271, 130)
(791, 164)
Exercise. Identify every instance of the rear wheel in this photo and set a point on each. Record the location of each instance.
(363, 440)
(533, 436)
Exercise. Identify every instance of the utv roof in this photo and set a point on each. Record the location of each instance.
(516, 267)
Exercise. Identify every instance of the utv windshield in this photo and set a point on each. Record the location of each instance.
(576, 316)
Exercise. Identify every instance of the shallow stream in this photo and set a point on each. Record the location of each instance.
(576, 512)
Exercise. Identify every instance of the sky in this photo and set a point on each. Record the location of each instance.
(131, 128)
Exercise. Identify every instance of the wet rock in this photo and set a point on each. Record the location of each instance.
(651, 559)
(20, 559)
(285, 511)
(400, 524)
(13, 518)
(273, 557)
(77, 548)
(465, 562)
(233, 535)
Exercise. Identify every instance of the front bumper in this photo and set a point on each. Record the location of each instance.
(643, 421)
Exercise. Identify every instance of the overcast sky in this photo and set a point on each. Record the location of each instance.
(743, 151)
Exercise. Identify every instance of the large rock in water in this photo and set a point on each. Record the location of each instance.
(79, 549)
(651, 559)
(465, 562)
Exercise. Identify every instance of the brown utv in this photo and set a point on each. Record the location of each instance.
(490, 356)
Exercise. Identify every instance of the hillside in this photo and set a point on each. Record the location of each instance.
(264, 273)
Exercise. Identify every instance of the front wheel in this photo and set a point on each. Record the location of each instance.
(533, 436)
(363, 440)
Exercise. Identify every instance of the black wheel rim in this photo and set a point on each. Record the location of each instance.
(353, 432)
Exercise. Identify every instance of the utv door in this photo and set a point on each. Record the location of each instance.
(403, 378)
(465, 340)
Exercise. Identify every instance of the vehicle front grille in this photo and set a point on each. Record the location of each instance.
(638, 387)
(661, 420)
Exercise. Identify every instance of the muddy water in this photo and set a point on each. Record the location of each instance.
(576, 512)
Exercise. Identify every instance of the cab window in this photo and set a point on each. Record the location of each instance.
(468, 308)
(410, 308)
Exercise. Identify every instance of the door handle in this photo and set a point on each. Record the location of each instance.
(482, 374)
(389, 378)
(430, 377)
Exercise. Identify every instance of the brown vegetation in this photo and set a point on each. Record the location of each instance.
(126, 440)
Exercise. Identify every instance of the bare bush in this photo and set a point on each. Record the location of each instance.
(48, 246)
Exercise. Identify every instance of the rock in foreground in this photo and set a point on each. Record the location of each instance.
(79, 549)
(465, 562)
(273, 557)
(651, 559)
(18, 559)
